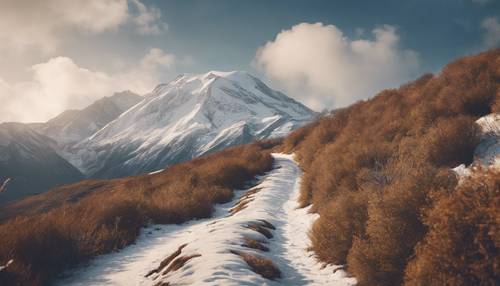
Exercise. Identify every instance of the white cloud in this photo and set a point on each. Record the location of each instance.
(491, 38)
(318, 65)
(157, 58)
(60, 84)
(41, 25)
(148, 20)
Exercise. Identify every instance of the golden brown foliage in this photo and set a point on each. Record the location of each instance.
(255, 244)
(165, 262)
(242, 203)
(179, 263)
(334, 230)
(44, 244)
(260, 265)
(369, 169)
(463, 242)
(260, 228)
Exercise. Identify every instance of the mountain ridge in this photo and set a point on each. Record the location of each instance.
(72, 126)
(30, 162)
(192, 115)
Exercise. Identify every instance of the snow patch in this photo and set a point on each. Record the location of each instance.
(487, 153)
(156, 172)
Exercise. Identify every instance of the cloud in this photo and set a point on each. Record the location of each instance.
(60, 84)
(157, 58)
(318, 65)
(148, 20)
(40, 25)
(491, 38)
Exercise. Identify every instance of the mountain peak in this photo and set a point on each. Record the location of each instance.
(188, 117)
(208, 78)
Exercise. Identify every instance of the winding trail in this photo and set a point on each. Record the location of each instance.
(210, 243)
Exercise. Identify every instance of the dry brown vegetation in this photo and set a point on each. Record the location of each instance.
(260, 265)
(463, 241)
(47, 242)
(242, 202)
(166, 261)
(254, 243)
(179, 263)
(261, 228)
(373, 172)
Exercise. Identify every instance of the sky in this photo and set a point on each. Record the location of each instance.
(64, 54)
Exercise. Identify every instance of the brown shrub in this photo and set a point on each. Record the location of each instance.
(165, 262)
(260, 229)
(341, 220)
(241, 205)
(253, 243)
(462, 245)
(393, 229)
(267, 224)
(468, 86)
(452, 141)
(294, 138)
(260, 265)
(243, 201)
(179, 263)
(162, 283)
(496, 104)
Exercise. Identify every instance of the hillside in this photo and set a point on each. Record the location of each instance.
(400, 189)
(379, 175)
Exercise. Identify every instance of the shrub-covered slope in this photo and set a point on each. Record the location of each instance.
(378, 173)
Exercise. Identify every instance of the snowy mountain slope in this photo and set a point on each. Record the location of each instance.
(72, 126)
(487, 153)
(29, 162)
(191, 116)
(274, 200)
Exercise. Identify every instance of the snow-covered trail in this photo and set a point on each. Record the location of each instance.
(209, 244)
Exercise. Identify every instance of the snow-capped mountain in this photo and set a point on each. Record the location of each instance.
(191, 116)
(72, 126)
(29, 162)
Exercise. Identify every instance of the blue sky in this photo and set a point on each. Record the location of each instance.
(224, 34)
(60, 54)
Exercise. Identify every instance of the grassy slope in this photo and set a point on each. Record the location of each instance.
(103, 216)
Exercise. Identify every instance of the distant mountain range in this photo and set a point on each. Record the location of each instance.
(127, 134)
(72, 126)
(29, 162)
